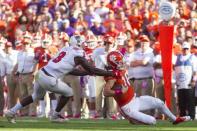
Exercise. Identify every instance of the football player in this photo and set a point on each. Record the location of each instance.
(90, 45)
(49, 77)
(42, 55)
(131, 107)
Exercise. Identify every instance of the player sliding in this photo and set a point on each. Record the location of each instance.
(131, 107)
(49, 78)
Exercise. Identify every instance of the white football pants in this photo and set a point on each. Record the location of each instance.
(132, 110)
(45, 83)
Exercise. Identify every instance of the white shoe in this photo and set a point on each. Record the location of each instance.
(41, 115)
(58, 118)
(10, 116)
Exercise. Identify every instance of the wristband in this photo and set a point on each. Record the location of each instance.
(118, 92)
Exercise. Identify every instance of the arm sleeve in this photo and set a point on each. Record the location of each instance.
(92, 70)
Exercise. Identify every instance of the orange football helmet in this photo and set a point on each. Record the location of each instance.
(115, 60)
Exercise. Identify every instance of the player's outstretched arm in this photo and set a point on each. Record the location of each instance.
(89, 68)
(77, 72)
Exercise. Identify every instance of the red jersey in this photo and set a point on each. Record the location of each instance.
(125, 98)
(42, 56)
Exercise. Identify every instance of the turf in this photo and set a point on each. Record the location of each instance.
(36, 124)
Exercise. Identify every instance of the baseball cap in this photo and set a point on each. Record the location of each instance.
(186, 45)
(143, 38)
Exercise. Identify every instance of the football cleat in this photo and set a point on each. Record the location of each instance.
(57, 118)
(181, 119)
(10, 116)
(41, 115)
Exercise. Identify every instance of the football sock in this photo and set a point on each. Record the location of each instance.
(53, 104)
(42, 106)
(17, 107)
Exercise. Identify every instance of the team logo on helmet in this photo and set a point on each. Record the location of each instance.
(115, 59)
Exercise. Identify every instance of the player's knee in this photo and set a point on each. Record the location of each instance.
(152, 121)
(68, 93)
(160, 103)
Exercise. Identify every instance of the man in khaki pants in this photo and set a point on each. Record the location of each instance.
(11, 79)
(25, 68)
(74, 82)
(99, 57)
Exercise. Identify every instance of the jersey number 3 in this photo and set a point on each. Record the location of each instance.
(59, 57)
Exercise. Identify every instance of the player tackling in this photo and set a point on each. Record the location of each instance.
(131, 107)
(49, 77)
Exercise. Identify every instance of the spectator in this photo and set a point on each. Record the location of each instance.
(22, 25)
(11, 79)
(128, 56)
(186, 62)
(97, 28)
(112, 31)
(142, 65)
(81, 25)
(90, 14)
(25, 67)
(102, 11)
(67, 28)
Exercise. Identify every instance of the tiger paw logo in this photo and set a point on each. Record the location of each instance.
(112, 58)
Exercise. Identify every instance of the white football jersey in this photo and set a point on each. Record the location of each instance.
(63, 62)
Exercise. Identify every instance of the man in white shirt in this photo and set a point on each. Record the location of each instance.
(128, 56)
(25, 68)
(11, 79)
(142, 65)
(186, 77)
(49, 78)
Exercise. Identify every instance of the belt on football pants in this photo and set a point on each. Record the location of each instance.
(46, 72)
(26, 73)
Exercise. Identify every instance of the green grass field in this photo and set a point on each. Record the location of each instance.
(36, 124)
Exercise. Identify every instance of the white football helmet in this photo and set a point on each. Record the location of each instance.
(91, 41)
(77, 40)
(120, 39)
(46, 40)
